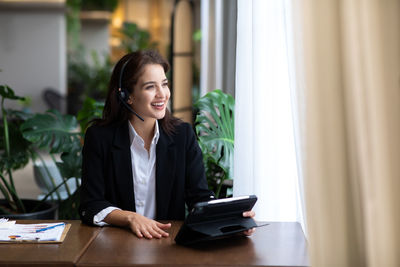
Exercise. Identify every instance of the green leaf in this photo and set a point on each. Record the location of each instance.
(71, 165)
(19, 152)
(215, 129)
(52, 131)
(90, 79)
(134, 38)
(91, 109)
(197, 35)
(8, 93)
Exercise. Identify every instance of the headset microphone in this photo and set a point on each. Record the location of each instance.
(120, 93)
(123, 94)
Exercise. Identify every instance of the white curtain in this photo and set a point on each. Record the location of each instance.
(341, 61)
(348, 69)
(265, 157)
(218, 46)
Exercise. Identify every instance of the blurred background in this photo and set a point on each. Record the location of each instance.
(58, 52)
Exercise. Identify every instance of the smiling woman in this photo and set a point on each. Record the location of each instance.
(140, 164)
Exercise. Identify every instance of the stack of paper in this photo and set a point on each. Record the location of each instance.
(5, 224)
(42, 232)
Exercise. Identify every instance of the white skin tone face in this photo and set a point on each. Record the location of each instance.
(149, 99)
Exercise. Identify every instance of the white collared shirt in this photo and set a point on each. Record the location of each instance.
(144, 176)
(144, 172)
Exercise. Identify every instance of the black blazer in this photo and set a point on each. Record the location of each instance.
(107, 172)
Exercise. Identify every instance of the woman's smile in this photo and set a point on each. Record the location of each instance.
(158, 105)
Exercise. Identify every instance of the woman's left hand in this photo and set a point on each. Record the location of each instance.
(250, 214)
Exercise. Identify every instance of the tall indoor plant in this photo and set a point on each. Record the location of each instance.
(28, 136)
(58, 134)
(215, 129)
(14, 153)
(55, 134)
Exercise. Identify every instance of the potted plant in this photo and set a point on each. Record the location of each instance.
(57, 134)
(87, 80)
(15, 154)
(71, 164)
(33, 135)
(215, 130)
(134, 38)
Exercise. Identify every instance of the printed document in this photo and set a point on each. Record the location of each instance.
(41, 232)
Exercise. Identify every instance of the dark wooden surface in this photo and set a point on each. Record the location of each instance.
(65, 254)
(278, 244)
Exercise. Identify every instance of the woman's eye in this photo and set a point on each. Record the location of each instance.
(165, 84)
(149, 87)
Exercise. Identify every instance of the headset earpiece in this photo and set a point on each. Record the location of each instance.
(123, 94)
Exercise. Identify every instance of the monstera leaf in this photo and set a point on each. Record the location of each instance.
(91, 109)
(71, 163)
(52, 131)
(11, 157)
(19, 154)
(215, 128)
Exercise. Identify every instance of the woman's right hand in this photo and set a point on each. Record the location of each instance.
(139, 224)
(148, 228)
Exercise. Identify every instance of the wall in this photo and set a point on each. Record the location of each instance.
(95, 33)
(33, 49)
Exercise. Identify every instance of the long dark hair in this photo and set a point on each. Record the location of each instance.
(114, 111)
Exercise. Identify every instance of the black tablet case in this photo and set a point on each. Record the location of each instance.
(208, 220)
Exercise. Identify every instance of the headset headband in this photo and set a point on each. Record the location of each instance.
(122, 73)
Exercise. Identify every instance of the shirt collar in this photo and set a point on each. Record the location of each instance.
(133, 134)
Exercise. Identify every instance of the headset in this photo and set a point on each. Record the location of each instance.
(123, 94)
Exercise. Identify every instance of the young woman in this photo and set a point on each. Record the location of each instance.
(140, 164)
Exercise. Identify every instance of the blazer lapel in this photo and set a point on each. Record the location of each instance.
(121, 155)
(165, 172)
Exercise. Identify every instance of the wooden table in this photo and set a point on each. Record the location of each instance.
(65, 254)
(278, 244)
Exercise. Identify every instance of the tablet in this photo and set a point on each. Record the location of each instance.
(224, 207)
(216, 219)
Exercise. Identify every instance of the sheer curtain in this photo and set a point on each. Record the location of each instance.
(341, 59)
(265, 157)
(350, 129)
(218, 46)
